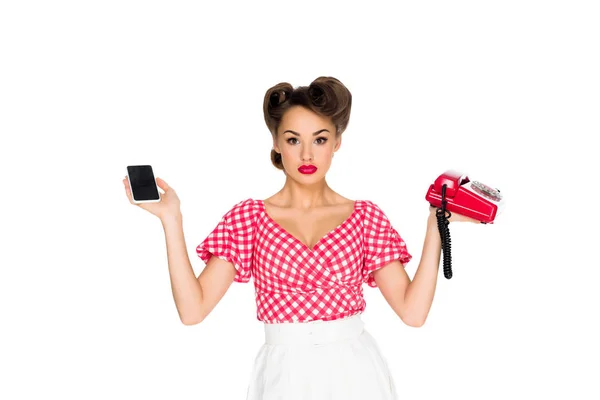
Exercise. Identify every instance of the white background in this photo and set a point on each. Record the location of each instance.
(507, 92)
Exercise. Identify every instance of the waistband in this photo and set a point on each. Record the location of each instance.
(314, 332)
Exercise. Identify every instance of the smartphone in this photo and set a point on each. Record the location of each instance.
(143, 184)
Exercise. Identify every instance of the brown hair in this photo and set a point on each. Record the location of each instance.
(325, 96)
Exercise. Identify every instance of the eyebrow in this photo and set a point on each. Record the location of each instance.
(314, 134)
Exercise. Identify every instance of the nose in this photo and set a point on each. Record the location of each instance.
(306, 154)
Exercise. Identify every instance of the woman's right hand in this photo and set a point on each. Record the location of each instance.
(169, 204)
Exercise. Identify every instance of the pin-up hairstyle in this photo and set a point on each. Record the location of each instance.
(325, 96)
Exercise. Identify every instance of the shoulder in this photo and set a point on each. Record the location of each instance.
(248, 205)
(369, 207)
(372, 213)
(242, 213)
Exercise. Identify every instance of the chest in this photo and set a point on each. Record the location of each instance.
(305, 251)
(309, 228)
(282, 261)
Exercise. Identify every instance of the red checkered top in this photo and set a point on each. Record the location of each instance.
(294, 283)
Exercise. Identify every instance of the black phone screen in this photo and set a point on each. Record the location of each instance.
(143, 184)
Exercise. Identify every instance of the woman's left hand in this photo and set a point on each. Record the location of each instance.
(455, 217)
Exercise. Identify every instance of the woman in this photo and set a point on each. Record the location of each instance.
(309, 250)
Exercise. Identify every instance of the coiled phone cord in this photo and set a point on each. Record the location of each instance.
(442, 220)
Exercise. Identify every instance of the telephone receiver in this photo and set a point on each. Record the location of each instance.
(453, 191)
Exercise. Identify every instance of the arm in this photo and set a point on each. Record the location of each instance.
(194, 298)
(411, 300)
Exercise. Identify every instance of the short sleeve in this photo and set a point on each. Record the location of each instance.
(382, 243)
(233, 239)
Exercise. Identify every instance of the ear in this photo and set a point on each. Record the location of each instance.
(275, 146)
(338, 144)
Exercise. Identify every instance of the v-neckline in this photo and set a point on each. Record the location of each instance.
(300, 242)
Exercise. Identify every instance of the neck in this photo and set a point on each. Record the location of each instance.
(296, 195)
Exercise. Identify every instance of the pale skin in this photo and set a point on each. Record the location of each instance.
(308, 209)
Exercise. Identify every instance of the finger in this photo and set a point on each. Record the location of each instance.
(129, 197)
(162, 184)
(128, 193)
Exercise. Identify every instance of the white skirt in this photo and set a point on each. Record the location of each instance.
(320, 360)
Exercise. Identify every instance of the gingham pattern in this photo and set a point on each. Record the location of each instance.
(294, 283)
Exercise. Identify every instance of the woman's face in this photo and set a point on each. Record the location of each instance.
(306, 139)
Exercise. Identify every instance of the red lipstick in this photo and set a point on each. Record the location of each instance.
(307, 169)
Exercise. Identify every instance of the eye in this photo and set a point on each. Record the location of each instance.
(323, 140)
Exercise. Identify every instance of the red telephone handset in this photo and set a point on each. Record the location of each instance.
(469, 198)
(454, 192)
